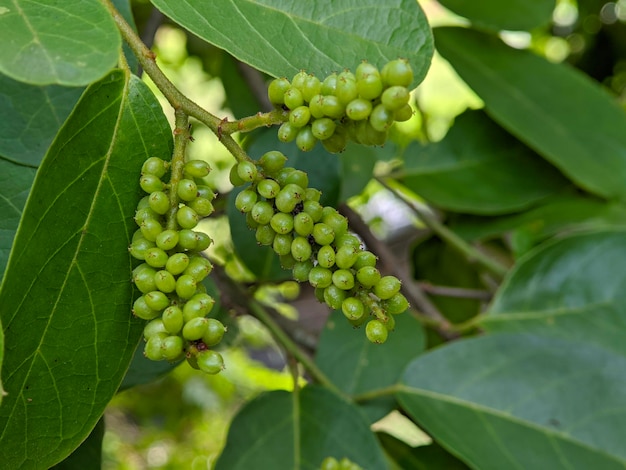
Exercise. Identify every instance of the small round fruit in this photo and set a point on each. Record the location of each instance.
(323, 234)
(177, 263)
(397, 72)
(272, 162)
(155, 257)
(293, 98)
(300, 249)
(202, 206)
(154, 166)
(396, 304)
(214, 332)
(197, 168)
(210, 361)
(195, 328)
(159, 202)
(151, 183)
(156, 300)
(353, 308)
(138, 248)
(173, 319)
(300, 116)
(287, 132)
(245, 200)
(154, 328)
(290, 290)
(276, 90)
(187, 189)
(142, 310)
(323, 128)
(334, 296)
(185, 286)
(368, 276)
(301, 269)
(150, 229)
(187, 217)
(167, 239)
(268, 188)
(305, 140)
(359, 109)
(247, 171)
(326, 256)
(282, 222)
(320, 277)
(152, 350)
(265, 235)
(343, 278)
(381, 118)
(262, 212)
(395, 97)
(387, 287)
(376, 331)
(172, 348)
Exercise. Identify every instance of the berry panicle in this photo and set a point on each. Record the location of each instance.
(174, 300)
(358, 106)
(314, 241)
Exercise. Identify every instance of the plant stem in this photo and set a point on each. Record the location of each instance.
(250, 123)
(471, 253)
(181, 138)
(377, 393)
(174, 96)
(259, 311)
(455, 292)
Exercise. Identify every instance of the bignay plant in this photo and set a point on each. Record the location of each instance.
(511, 356)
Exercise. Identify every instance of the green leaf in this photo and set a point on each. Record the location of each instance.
(15, 183)
(511, 15)
(478, 168)
(282, 37)
(30, 117)
(66, 296)
(277, 430)
(357, 167)
(570, 288)
(557, 111)
(355, 365)
(88, 455)
(521, 401)
(66, 43)
(563, 213)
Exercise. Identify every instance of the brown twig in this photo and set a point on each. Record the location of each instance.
(456, 292)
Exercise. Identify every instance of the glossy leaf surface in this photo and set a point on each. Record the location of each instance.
(57, 42)
(278, 431)
(30, 117)
(521, 401)
(555, 110)
(498, 15)
(66, 297)
(478, 168)
(281, 37)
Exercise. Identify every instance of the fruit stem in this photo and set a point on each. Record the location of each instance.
(181, 138)
(250, 123)
(377, 393)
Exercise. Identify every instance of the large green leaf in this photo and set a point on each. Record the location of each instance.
(30, 117)
(15, 183)
(522, 401)
(571, 288)
(563, 213)
(426, 457)
(356, 365)
(478, 168)
(66, 296)
(281, 37)
(555, 110)
(54, 41)
(88, 455)
(279, 432)
(509, 15)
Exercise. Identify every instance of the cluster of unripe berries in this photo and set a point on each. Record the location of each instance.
(359, 106)
(314, 242)
(174, 300)
(331, 463)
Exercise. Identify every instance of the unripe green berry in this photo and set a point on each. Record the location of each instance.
(185, 286)
(155, 257)
(210, 361)
(144, 214)
(334, 296)
(177, 263)
(346, 90)
(214, 332)
(320, 277)
(272, 162)
(153, 348)
(364, 69)
(323, 234)
(397, 72)
(299, 80)
(282, 222)
(234, 177)
(173, 319)
(329, 85)
(202, 206)
(159, 202)
(403, 114)
(142, 310)
(203, 241)
(143, 277)
(247, 171)
(305, 140)
(346, 256)
(298, 178)
(172, 348)
(288, 197)
(359, 109)
(395, 97)
(155, 166)
(138, 248)
(396, 304)
(245, 200)
(314, 209)
(154, 328)
(312, 86)
(199, 268)
(368, 276)
(301, 269)
(343, 278)
(156, 300)
(326, 256)
(276, 90)
(387, 287)
(300, 116)
(167, 239)
(282, 244)
(381, 118)
(206, 192)
(187, 217)
(164, 281)
(353, 308)
(376, 331)
(316, 106)
(364, 258)
(268, 188)
(265, 235)
(293, 98)
(187, 190)
(150, 229)
(303, 224)
(187, 240)
(336, 221)
(337, 142)
(195, 328)
(332, 107)
(151, 183)
(370, 87)
(197, 168)
(287, 261)
(300, 249)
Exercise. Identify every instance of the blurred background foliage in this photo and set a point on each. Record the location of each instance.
(184, 416)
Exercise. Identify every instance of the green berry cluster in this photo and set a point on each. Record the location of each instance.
(331, 463)
(314, 242)
(174, 300)
(359, 106)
